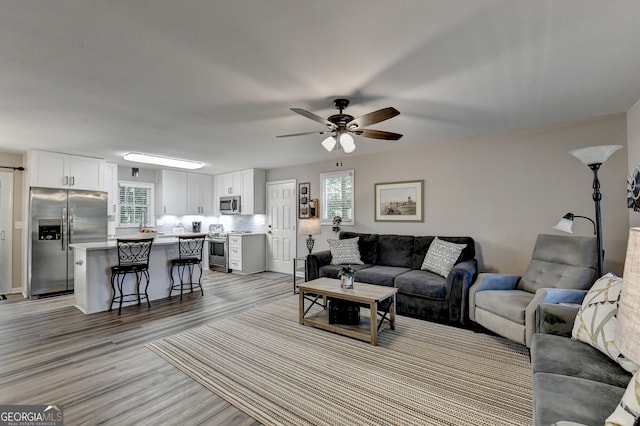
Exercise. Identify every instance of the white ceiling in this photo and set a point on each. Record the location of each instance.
(213, 80)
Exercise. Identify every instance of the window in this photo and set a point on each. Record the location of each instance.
(135, 203)
(337, 197)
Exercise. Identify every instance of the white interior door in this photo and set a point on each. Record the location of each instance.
(6, 226)
(281, 226)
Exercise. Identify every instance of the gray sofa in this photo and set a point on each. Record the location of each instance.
(395, 261)
(572, 381)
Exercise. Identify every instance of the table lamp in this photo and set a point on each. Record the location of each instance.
(309, 227)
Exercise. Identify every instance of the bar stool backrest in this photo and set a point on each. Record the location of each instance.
(134, 251)
(191, 246)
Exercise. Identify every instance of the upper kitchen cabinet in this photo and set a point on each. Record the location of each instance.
(230, 184)
(111, 186)
(66, 171)
(253, 192)
(199, 193)
(171, 192)
(248, 184)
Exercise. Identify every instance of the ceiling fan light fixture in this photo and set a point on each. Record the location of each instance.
(347, 143)
(158, 160)
(329, 143)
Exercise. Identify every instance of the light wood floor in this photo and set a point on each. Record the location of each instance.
(97, 367)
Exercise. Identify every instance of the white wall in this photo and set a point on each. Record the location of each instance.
(502, 190)
(633, 142)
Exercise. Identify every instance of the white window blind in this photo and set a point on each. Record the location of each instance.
(135, 203)
(337, 189)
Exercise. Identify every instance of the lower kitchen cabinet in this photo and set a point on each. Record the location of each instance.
(247, 253)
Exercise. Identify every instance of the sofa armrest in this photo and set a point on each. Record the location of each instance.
(548, 296)
(460, 278)
(556, 319)
(315, 261)
(488, 281)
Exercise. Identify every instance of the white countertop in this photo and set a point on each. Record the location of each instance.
(112, 244)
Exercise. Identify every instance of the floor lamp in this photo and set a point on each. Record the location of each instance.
(594, 157)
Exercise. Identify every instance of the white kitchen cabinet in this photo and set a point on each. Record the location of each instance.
(247, 253)
(199, 193)
(111, 186)
(248, 184)
(66, 171)
(231, 184)
(253, 192)
(171, 192)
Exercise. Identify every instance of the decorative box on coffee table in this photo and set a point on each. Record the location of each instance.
(343, 312)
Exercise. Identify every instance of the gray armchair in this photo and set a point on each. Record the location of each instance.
(562, 269)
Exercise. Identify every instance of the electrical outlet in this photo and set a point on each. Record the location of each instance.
(159, 223)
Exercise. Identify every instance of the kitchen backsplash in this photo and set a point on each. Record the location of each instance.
(165, 224)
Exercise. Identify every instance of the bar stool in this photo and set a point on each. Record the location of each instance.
(190, 248)
(133, 258)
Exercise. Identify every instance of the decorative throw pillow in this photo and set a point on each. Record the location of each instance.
(442, 256)
(628, 410)
(595, 323)
(345, 252)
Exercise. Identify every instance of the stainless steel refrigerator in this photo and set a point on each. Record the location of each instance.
(60, 217)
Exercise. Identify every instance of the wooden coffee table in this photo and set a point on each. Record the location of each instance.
(318, 291)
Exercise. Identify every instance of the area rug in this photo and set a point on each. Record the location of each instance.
(280, 372)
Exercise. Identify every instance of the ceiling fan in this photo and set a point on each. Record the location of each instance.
(341, 127)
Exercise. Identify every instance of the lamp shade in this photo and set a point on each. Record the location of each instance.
(595, 154)
(347, 143)
(565, 224)
(309, 227)
(329, 143)
(628, 333)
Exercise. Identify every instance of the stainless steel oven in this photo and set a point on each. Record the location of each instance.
(219, 253)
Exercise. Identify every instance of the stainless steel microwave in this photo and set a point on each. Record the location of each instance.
(230, 205)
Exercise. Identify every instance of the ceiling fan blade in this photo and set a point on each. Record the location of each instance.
(373, 117)
(378, 134)
(320, 132)
(314, 117)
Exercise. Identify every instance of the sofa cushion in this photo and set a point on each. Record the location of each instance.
(561, 355)
(395, 250)
(368, 244)
(345, 252)
(509, 304)
(422, 284)
(628, 410)
(381, 275)
(557, 398)
(331, 271)
(596, 321)
(442, 256)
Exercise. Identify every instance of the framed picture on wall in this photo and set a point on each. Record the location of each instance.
(399, 201)
(303, 200)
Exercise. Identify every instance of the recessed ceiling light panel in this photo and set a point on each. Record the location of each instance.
(159, 160)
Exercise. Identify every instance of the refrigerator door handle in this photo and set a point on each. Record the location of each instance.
(71, 216)
(64, 226)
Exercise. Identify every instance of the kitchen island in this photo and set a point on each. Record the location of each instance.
(92, 269)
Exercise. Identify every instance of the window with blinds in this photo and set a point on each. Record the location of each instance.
(135, 203)
(337, 190)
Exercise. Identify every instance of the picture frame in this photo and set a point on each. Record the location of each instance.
(399, 201)
(304, 190)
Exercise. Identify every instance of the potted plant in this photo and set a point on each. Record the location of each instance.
(346, 276)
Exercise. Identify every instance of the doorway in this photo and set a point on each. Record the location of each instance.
(6, 232)
(281, 226)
